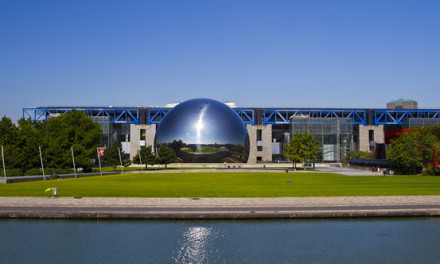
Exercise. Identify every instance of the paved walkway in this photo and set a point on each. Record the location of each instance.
(220, 202)
(218, 208)
(348, 171)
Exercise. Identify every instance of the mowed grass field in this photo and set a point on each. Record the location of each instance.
(214, 184)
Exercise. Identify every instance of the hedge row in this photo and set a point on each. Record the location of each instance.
(35, 171)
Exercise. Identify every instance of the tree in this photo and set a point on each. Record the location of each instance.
(7, 131)
(166, 155)
(8, 139)
(56, 137)
(302, 147)
(146, 156)
(74, 129)
(311, 146)
(110, 156)
(434, 130)
(293, 150)
(29, 137)
(413, 150)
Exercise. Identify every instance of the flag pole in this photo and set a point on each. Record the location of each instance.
(140, 159)
(4, 168)
(99, 161)
(73, 160)
(120, 159)
(42, 166)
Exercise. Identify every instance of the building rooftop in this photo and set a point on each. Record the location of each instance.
(401, 100)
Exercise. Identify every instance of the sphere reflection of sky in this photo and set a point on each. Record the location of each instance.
(202, 121)
(204, 130)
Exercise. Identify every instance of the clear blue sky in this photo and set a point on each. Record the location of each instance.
(309, 53)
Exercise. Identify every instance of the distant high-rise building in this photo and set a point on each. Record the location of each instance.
(402, 104)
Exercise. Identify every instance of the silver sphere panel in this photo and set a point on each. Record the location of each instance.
(204, 131)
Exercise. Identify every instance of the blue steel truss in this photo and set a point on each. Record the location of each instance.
(113, 115)
(247, 115)
(398, 117)
(282, 116)
(156, 115)
(270, 116)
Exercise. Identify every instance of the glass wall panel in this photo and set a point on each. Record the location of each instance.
(112, 132)
(420, 122)
(335, 134)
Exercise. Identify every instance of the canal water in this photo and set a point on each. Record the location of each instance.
(384, 240)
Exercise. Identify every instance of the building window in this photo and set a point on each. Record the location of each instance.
(259, 134)
(143, 132)
(259, 148)
(259, 158)
(370, 135)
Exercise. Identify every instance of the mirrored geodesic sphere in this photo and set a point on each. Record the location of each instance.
(204, 131)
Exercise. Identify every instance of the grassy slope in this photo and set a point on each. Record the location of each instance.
(261, 184)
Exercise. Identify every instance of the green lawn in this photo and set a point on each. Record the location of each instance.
(246, 184)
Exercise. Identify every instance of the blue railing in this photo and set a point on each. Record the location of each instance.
(397, 117)
(270, 116)
(113, 115)
(283, 116)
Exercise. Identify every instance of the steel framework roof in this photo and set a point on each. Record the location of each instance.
(269, 116)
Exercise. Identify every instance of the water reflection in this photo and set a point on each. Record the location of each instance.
(361, 241)
(195, 245)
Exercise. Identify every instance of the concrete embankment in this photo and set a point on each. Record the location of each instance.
(218, 208)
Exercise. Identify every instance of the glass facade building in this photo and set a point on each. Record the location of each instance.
(112, 132)
(269, 129)
(421, 122)
(335, 134)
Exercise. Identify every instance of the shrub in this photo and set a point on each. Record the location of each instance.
(12, 172)
(85, 170)
(431, 171)
(50, 171)
(126, 163)
(358, 155)
(34, 171)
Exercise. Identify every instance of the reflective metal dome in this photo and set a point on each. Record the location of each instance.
(204, 131)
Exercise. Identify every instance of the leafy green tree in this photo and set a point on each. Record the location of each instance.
(434, 130)
(311, 146)
(146, 156)
(404, 154)
(8, 139)
(293, 150)
(166, 155)
(413, 150)
(7, 131)
(29, 137)
(302, 147)
(110, 156)
(74, 129)
(21, 144)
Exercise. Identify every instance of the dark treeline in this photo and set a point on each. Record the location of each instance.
(56, 137)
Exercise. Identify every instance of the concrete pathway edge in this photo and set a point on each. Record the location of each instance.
(226, 208)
